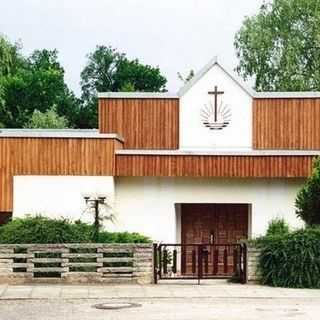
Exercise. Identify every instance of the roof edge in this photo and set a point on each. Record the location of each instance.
(287, 95)
(139, 95)
(258, 153)
(214, 61)
(58, 133)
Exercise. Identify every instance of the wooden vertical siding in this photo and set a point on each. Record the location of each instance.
(286, 124)
(143, 123)
(52, 156)
(214, 166)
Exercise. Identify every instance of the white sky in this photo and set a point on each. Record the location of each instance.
(176, 35)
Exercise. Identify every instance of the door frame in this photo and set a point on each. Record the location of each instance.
(178, 215)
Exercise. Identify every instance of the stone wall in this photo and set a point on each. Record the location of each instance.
(76, 263)
(253, 255)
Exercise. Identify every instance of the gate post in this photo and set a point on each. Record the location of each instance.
(243, 263)
(155, 263)
(200, 249)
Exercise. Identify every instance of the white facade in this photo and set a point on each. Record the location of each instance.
(58, 196)
(149, 205)
(196, 101)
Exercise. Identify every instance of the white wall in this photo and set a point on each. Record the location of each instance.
(147, 205)
(58, 196)
(193, 134)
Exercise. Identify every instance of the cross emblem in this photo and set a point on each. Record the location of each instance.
(216, 93)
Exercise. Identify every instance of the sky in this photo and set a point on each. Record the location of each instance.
(176, 35)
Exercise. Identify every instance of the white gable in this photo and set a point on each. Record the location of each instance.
(206, 123)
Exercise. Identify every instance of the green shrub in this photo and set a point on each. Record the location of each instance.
(277, 226)
(122, 237)
(291, 260)
(308, 198)
(40, 229)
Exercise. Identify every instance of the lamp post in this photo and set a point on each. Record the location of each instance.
(94, 202)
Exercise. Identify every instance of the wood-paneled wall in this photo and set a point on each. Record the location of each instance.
(286, 124)
(52, 156)
(214, 166)
(143, 123)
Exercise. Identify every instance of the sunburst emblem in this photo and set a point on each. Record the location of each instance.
(214, 116)
(216, 120)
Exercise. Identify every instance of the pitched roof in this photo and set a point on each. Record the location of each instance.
(214, 62)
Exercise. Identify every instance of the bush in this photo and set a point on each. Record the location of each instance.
(44, 230)
(122, 237)
(291, 260)
(49, 119)
(277, 226)
(308, 199)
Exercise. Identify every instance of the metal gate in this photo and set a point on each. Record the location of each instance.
(200, 261)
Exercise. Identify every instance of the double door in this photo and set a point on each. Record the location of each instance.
(217, 227)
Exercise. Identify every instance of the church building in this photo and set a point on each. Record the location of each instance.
(213, 163)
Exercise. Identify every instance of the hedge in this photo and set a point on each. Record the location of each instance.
(291, 259)
(45, 230)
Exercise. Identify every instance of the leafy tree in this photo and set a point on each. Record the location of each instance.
(109, 70)
(10, 57)
(279, 47)
(308, 199)
(36, 83)
(47, 120)
(2, 104)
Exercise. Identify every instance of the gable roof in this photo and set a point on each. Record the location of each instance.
(214, 62)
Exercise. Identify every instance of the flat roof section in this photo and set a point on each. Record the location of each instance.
(58, 133)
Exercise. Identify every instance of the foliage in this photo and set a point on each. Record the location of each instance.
(47, 120)
(279, 46)
(187, 78)
(127, 87)
(277, 226)
(40, 229)
(122, 237)
(291, 259)
(44, 230)
(2, 104)
(109, 70)
(10, 58)
(308, 198)
(37, 83)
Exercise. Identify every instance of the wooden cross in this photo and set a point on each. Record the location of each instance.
(216, 93)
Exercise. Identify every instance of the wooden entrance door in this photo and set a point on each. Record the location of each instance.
(213, 224)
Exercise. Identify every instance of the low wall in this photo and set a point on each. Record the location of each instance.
(76, 263)
(253, 255)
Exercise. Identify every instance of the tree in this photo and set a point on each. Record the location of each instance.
(47, 120)
(280, 46)
(2, 104)
(308, 199)
(109, 70)
(10, 57)
(37, 84)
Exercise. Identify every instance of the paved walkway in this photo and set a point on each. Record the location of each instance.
(184, 290)
(187, 301)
